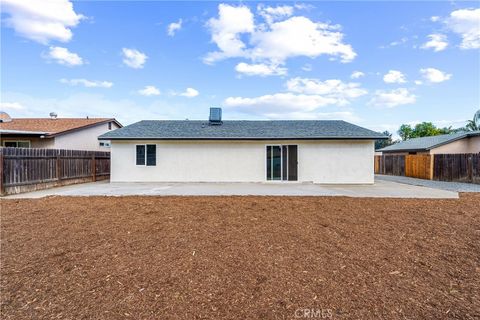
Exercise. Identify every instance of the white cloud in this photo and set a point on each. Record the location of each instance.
(128, 111)
(466, 23)
(300, 36)
(271, 14)
(398, 42)
(280, 102)
(336, 115)
(80, 105)
(174, 27)
(357, 74)
(134, 58)
(437, 42)
(394, 76)
(307, 67)
(304, 6)
(305, 96)
(260, 69)
(286, 106)
(10, 106)
(87, 83)
(392, 98)
(64, 57)
(190, 93)
(283, 37)
(395, 43)
(340, 91)
(226, 29)
(41, 21)
(434, 18)
(418, 82)
(149, 91)
(434, 75)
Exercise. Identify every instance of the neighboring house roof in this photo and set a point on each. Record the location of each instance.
(241, 130)
(49, 126)
(427, 143)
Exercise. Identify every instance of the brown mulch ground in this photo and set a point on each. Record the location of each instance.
(240, 258)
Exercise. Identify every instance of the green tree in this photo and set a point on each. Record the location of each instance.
(446, 130)
(474, 124)
(379, 144)
(424, 129)
(405, 132)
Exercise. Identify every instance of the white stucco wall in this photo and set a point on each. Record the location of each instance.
(335, 161)
(84, 139)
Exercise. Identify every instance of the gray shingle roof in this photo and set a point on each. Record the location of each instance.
(241, 130)
(427, 143)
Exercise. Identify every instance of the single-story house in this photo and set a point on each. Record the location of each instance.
(323, 151)
(460, 142)
(56, 133)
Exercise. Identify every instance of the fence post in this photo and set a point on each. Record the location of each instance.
(430, 174)
(470, 168)
(408, 165)
(94, 168)
(58, 168)
(2, 189)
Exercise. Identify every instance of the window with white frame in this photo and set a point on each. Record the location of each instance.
(146, 154)
(16, 143)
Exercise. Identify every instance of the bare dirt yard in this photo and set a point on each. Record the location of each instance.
(240, 258)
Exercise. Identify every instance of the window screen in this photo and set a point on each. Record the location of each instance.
(151, 155)
(23, 144)
(140, 155)
(17, 144)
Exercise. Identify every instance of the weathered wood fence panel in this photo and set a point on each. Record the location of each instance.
(442, 167)
(393, 165)
(23, 169)
(463, 167)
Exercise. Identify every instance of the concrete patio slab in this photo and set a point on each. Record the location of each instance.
(383, 189)
(445, 185)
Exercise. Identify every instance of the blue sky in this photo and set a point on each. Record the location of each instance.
(376, 64)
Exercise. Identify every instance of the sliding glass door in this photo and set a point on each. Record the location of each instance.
(282, 162)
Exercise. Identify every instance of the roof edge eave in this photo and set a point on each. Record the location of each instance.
(402, 150)
(241, 138)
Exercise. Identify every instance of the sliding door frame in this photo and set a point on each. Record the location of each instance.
(281, 163)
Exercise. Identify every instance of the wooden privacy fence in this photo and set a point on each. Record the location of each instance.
(463, 167)
(391, 165)
(419, 166)
(443, 167)
(23, 169)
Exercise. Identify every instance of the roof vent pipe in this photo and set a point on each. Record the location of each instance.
(215, 116)
(5, 117)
